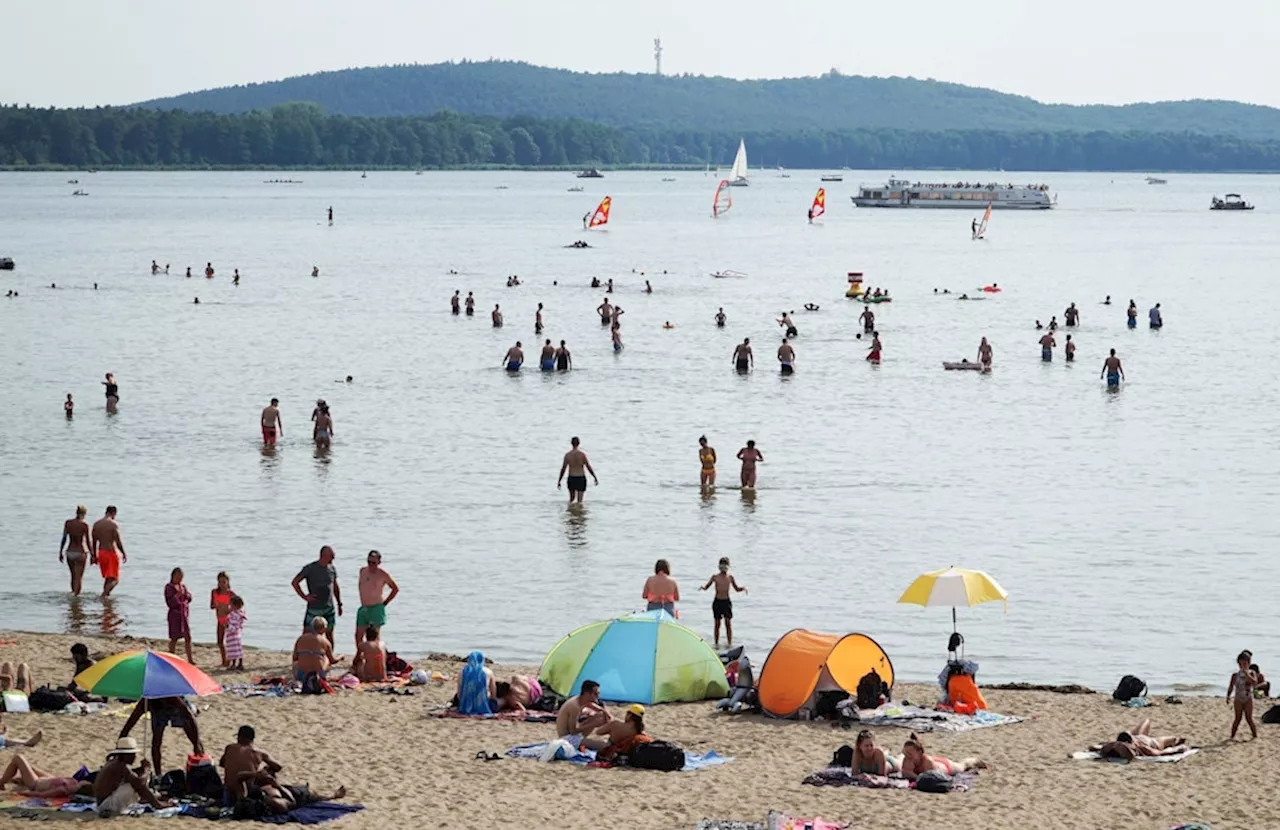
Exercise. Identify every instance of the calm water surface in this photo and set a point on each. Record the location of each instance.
(1131, 530)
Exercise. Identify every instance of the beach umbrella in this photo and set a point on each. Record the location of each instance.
(955, 587)
(145, 674)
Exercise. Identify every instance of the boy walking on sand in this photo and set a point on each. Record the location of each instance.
(722, 605)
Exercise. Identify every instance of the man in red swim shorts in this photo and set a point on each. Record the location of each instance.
(106, 543)
(272, 426)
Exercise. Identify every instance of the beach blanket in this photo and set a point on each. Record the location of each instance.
(526, 716)
(261, 689)
(729, 824)
(692, 760)
(1090, 755)
(318, 813)
(918, 719)
(842, 777)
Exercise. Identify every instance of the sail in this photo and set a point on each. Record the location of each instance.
(723, 201)
(739, 170)
(982, 226)
(601, 216)
(819, 206)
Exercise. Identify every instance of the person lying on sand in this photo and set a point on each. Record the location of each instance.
(37, 781)
(16, 678)
(623, 735)
(868, 759)
(915, 761)
(519, 694)
(276, 799)
(582, 715)
(7, 740)
(1139, 742)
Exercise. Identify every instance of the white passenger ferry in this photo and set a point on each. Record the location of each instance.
(900, 193)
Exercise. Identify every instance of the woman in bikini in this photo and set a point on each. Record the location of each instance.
(707, 456)
(660, 590)
(869, 759)
(915, 761)
(220, 604)
(74, 548)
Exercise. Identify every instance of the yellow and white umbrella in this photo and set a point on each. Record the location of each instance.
(954, 586)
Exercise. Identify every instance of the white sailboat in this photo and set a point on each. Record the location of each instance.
(738, 175)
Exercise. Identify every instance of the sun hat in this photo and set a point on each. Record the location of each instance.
(124, 746)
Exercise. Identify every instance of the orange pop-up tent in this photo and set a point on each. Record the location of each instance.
(805, 662)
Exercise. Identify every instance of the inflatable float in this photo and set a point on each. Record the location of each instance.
(951, 366)
(991, 289)
(883, 298)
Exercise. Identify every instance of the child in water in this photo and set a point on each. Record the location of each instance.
(1240, 693)
(178, 598)
(220, 602)
(722, 605)
(235, 625)
(69, 407)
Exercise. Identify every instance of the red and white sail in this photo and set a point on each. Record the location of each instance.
(601, 216)
(723, 201)
(819, 205)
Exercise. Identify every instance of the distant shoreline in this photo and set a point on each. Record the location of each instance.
(515, 168)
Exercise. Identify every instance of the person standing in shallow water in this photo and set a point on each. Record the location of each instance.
(786, 357)
(74, 548)
(113, 392)
(707, 458)
(107, 550)
(749, 456)
(547, 360)
(455, 303)
(1113, 371)
(576, 464)
(272, 426)
(564, 360)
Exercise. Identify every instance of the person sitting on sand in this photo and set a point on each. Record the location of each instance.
(869, 759)
(623, 735)
(241, 762)
(477, 690)
(312, 652)
(37, 782)
(165, 712)
(7, 740)
(117, 787)
(915, 761)
(370, 662)
(16, 678)
(519, 694)
(582, 715)
(1139, 742)
(1262, 688)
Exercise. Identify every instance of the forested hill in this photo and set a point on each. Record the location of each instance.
(831, 102)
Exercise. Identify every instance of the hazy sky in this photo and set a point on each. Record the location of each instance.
(78, 52)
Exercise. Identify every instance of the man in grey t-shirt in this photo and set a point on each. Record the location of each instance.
(322, 591)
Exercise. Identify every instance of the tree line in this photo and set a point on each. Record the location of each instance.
(302, 135)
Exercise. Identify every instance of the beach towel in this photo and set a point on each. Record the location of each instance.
(918, 719)
(692, 760)
(842, 777)
(473, 690)
(728, 824)
(1090, 755)
(526, 716)
(781, 821)
(318, 813)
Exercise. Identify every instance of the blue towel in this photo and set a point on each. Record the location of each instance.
(473, 691)
(317, 813)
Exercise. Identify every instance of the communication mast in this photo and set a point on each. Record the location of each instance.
(657, 55)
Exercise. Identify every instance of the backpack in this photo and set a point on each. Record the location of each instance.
(933, 781)
(46, 699)
(396, 664)
(826, 703)
(1272, 715)
(871, 688)
(657, 755)
(1129, 688)
(843, 757)
(203, 780)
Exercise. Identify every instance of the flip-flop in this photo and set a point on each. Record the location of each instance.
(487, 756)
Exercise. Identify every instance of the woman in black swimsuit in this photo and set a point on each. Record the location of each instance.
(113, 392)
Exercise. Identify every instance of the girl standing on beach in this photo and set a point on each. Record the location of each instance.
(220, 602)
(1240, 693)
(234, 626)
(178, 598)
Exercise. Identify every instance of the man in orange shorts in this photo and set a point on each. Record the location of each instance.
(106, 543)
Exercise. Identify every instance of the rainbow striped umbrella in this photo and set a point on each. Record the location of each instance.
(145, 674)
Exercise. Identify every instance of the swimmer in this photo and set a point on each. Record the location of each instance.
(811, 306)
(155, 269)
(470, 304)
(873, 354)
(1070, 349)
(235, 278)
(868, 320)
(1039, 325)
(547, 360)
(609, 290)
(537, 321)
(349, 379)
(455, 303)
(69, 407)
(617, 313)
(786, 357)
(208, 270)
(196, 301)
(53, 285)
(790, 326)
(188, 272)
(749, 456)
(648, 289)
(95, 286)
(1071, 317)
(1053, 323)
(564, 360)
(1046, 346)
(1155, 318)
(322, 431)
(743, 359)
(1107, 301)
(1113, 371)
(497, 317)
(667, 325)
(595, 282)
(617, 338)
(315, 270)
(984, 355)
(1133, 314)
(514, 358)
(605, 310)
(331, 214)
(720, 318)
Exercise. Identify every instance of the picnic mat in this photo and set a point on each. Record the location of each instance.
(692, 760)
(841, 777)
(918, 719)
(775, 821)
(527, 716)
(1090, 755)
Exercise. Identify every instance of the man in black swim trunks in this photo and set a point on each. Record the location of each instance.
(605, 310)
(577, 465)
(743, 358)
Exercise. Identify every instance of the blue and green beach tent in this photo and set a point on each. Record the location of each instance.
(641, 658)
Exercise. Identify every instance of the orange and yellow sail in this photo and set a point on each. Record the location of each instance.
(601, 216)
(819, 205)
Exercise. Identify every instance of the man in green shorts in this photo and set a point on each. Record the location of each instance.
(322, 591)
(373, 605)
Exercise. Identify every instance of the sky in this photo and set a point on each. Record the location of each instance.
(81, 53)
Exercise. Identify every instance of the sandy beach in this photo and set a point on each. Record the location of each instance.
(409, 769)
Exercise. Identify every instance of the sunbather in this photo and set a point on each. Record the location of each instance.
(915, 761)
(623, 735)
(522, 692)
(868, 759)
(1139, 742)
(6, 740)
(118, 787)
(477, 691)
(241, 762)
(37, 781)
(582, 715)
(16, 678)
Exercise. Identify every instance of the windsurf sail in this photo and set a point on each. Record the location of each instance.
(982, 226)
(819, 206)
(723, 201)
(601, 216)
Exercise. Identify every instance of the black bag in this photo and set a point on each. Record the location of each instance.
(45, 699)
(173, 784)
(824, 705)
(933, 781)
(1272, 715)
(203, 780)
(871, 690)
(843, 757)
(1129, 688)
(658, 755)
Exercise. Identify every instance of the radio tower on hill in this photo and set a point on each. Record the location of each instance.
(657, 55)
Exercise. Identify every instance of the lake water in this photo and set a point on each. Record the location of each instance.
(1131, 530)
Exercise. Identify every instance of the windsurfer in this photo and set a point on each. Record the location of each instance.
(973, 228)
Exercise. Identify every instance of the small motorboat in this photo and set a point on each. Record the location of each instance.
(1231, 202)
(727, 273)
(6, 263)
(833, 177)
(668, 178)
(80, 193)
(576, 189)
(1154, 180)
(591, 173)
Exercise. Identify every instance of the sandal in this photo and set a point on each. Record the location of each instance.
(487, 756)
